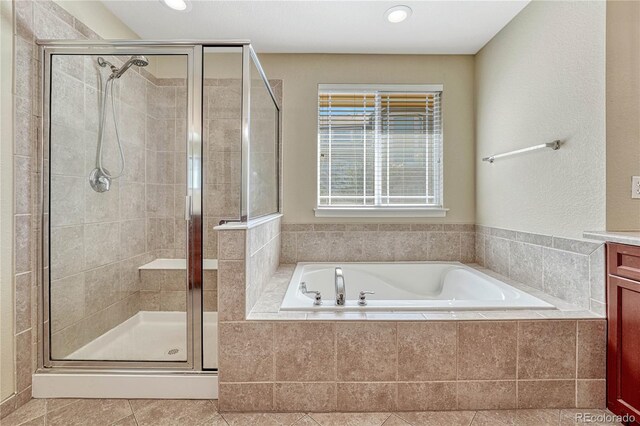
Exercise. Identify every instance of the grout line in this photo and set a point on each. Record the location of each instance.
(517, 362)
(133, 412)
(575, 378)
(473, 418)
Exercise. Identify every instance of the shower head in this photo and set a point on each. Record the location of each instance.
(137, 60)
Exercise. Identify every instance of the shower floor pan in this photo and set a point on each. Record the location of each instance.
(151, 336)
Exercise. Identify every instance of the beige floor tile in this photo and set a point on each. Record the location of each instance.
(517, 418)
(127, 421)
(93, 412)
(30, 411)
(306, 421)
(266, 419)
(578, 417)
(350, 419)
(218, 420)
(55, 404)
(394, 420)
(438, 418)
(38, 421)
(90, 412)
(173, 412)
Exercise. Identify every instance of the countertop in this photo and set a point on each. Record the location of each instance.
(622, 237)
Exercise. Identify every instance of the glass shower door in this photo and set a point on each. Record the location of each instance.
(123, 186)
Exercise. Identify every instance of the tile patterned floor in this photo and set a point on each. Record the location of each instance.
(122, 412)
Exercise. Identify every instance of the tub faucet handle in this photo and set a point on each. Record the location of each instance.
(317, 298)
(362, 299)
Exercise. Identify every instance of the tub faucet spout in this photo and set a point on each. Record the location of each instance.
(340, 291)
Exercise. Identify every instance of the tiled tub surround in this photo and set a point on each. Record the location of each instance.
(249, 258)
(98, 240)
(290, 361)
(573, 270)
(377, 242)
(411, 365)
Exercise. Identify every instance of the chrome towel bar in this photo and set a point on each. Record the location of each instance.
(555, 145)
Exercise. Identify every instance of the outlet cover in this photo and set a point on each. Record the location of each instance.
(635, 187)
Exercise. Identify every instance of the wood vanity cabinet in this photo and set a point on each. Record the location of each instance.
(623, 318)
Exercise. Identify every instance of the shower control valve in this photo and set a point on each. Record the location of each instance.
(317, 298)
(362, 299)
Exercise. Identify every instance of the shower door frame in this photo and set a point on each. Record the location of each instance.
(193, 211)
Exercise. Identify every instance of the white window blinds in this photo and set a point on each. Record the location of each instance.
(379, 146)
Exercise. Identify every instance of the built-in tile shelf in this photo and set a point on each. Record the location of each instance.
(621, 237)
(180, 264)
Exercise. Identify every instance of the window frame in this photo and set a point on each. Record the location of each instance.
(381, 211)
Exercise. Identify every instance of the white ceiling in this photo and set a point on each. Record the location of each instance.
(321, 26)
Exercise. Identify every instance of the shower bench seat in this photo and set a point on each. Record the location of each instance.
(163, 285)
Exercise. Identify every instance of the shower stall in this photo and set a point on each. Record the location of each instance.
(146, 147)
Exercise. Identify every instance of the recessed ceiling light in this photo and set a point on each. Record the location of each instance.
(181, 5)
(397, 14)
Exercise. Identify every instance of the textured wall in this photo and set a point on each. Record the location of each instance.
(301, 75)
(623, 110)
(543, 78)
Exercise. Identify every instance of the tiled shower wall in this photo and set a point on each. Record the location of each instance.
(572, 270)
(98, 240)
(166, 170)
(88, 255)
(43, 20)
(222, 108)
(46, 20)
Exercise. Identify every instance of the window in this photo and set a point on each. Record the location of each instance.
(379, 150)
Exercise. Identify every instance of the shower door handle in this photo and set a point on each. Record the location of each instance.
(187, 208)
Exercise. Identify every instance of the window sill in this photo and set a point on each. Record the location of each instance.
(380, 212)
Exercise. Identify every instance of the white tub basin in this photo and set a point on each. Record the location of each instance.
(411, 286)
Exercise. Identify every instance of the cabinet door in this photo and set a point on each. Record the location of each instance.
(624, 261)
(623, 348)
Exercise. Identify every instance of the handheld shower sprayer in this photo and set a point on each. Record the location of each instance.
(100, 178)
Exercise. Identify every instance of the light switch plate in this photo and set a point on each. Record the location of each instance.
(635, 187)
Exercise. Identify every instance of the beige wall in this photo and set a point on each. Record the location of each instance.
(301, 74)
(543, 78)
(7, 382)
(623, 113)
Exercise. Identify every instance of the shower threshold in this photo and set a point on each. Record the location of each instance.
(146, 336)
(151, 336)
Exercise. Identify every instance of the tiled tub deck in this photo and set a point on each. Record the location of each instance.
(290, 361)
